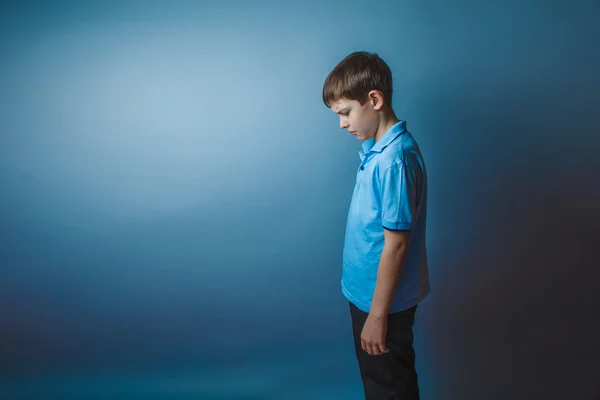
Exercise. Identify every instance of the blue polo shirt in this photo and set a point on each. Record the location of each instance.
(390, 192)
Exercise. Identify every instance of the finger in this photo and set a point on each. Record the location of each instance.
(373, 349)
(376, 351)
(363, 344)
(383, 348)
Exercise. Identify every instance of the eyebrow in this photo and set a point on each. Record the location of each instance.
(342, 110)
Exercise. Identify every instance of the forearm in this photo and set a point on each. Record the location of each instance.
(388, 276)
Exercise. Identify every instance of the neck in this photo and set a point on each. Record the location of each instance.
(387, 121)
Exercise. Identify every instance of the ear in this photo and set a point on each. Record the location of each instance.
(376, 99)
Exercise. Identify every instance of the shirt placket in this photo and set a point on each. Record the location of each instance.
(365, 158)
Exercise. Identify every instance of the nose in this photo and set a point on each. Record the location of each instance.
(343, 123)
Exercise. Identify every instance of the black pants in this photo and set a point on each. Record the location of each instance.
(389, 376)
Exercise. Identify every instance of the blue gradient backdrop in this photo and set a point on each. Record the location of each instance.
(174, 195)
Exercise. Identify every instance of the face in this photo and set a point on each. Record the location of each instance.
(360, 121)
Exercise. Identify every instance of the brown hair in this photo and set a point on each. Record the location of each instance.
(355, 76)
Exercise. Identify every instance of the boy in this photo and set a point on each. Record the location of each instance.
(385, 273)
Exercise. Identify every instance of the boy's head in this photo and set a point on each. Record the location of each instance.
(359, 90)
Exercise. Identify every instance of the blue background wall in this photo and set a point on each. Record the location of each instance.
(174, 196)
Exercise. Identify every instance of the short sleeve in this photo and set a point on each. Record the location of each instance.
(398, 198)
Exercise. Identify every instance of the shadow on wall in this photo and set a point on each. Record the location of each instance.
(517, 300)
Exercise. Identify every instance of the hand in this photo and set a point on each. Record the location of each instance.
(373, 335)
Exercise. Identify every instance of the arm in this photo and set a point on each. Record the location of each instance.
(399, 185)
(390, 269)
(398, 195)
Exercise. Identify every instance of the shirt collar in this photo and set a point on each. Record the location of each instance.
(370, 145)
